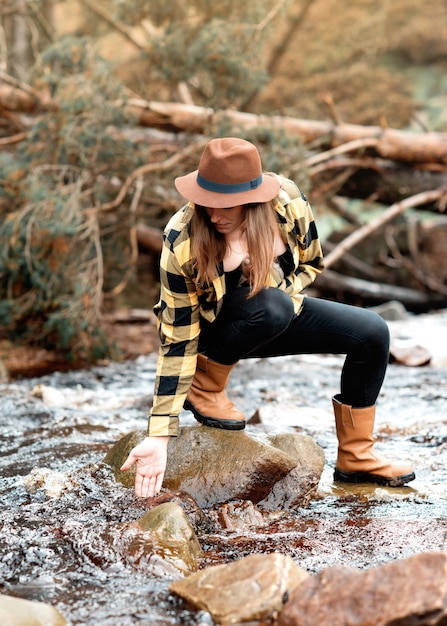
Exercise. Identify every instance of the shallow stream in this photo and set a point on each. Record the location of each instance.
(67, 550)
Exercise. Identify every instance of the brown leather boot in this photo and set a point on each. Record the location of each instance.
(207, 399)
(356, 461)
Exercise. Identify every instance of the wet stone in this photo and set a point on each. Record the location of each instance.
(19, 612)
(213, 466)
(252, 588)
(299, 487)
(51, 482)
(172, 528)
(239, 516)
(200, 520)
(409, 591)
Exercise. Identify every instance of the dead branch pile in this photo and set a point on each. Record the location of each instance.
(384, 166)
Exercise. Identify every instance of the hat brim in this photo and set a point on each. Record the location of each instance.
(188, 187)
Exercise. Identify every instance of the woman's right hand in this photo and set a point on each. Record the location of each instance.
(150, 457)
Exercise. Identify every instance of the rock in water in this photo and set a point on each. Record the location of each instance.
(19, 612)
(172, 528)
(409, 591)
(252, 588)
(299, 487)
(214, 466)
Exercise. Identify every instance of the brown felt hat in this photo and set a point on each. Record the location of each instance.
(229, 174)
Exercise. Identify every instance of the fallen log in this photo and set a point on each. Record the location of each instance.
(397, 209)
(19, 97)
(421, 262)
(372, 178)
(389, 143)
(150, 238)
(332, 282)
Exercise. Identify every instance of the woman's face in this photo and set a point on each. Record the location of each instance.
(226, 221)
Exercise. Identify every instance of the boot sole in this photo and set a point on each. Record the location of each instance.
(365, 477)
(214, 422)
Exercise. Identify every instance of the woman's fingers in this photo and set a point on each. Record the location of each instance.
(159, 482)
(150, 458)
(146, 486)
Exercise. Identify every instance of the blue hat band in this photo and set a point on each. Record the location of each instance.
(225, 188)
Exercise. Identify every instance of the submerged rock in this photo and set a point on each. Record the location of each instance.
(19, 612)
(200, 520)
(410, 591)
(172, 528)
(252, 588)
(240, 516)
(53, 483)
(161, 543)
(213, 466)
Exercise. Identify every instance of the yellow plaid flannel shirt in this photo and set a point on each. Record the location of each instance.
(183, 302)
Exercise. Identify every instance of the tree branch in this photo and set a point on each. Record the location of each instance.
(330, 280)
(393, 211)
(355, 144)
(150, 168)
(104, 14)
(5, 141)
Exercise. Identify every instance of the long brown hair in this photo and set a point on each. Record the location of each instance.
(209, 246)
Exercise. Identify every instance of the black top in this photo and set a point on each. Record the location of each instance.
(233, 277)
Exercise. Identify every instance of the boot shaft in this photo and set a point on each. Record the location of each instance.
(357, 460)
(207, 398)
(211, 376)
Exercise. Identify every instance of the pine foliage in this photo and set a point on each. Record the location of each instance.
(217, 49)
(55, 244)
(51, 272)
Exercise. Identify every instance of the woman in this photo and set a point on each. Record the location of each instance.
(234, 264)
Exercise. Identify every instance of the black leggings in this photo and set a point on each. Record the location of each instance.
(266, 325)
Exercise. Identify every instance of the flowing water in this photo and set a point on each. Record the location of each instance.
(69, 549)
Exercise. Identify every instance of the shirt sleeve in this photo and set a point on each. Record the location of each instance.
(301, 231)
(308, 245)
(179, 328)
